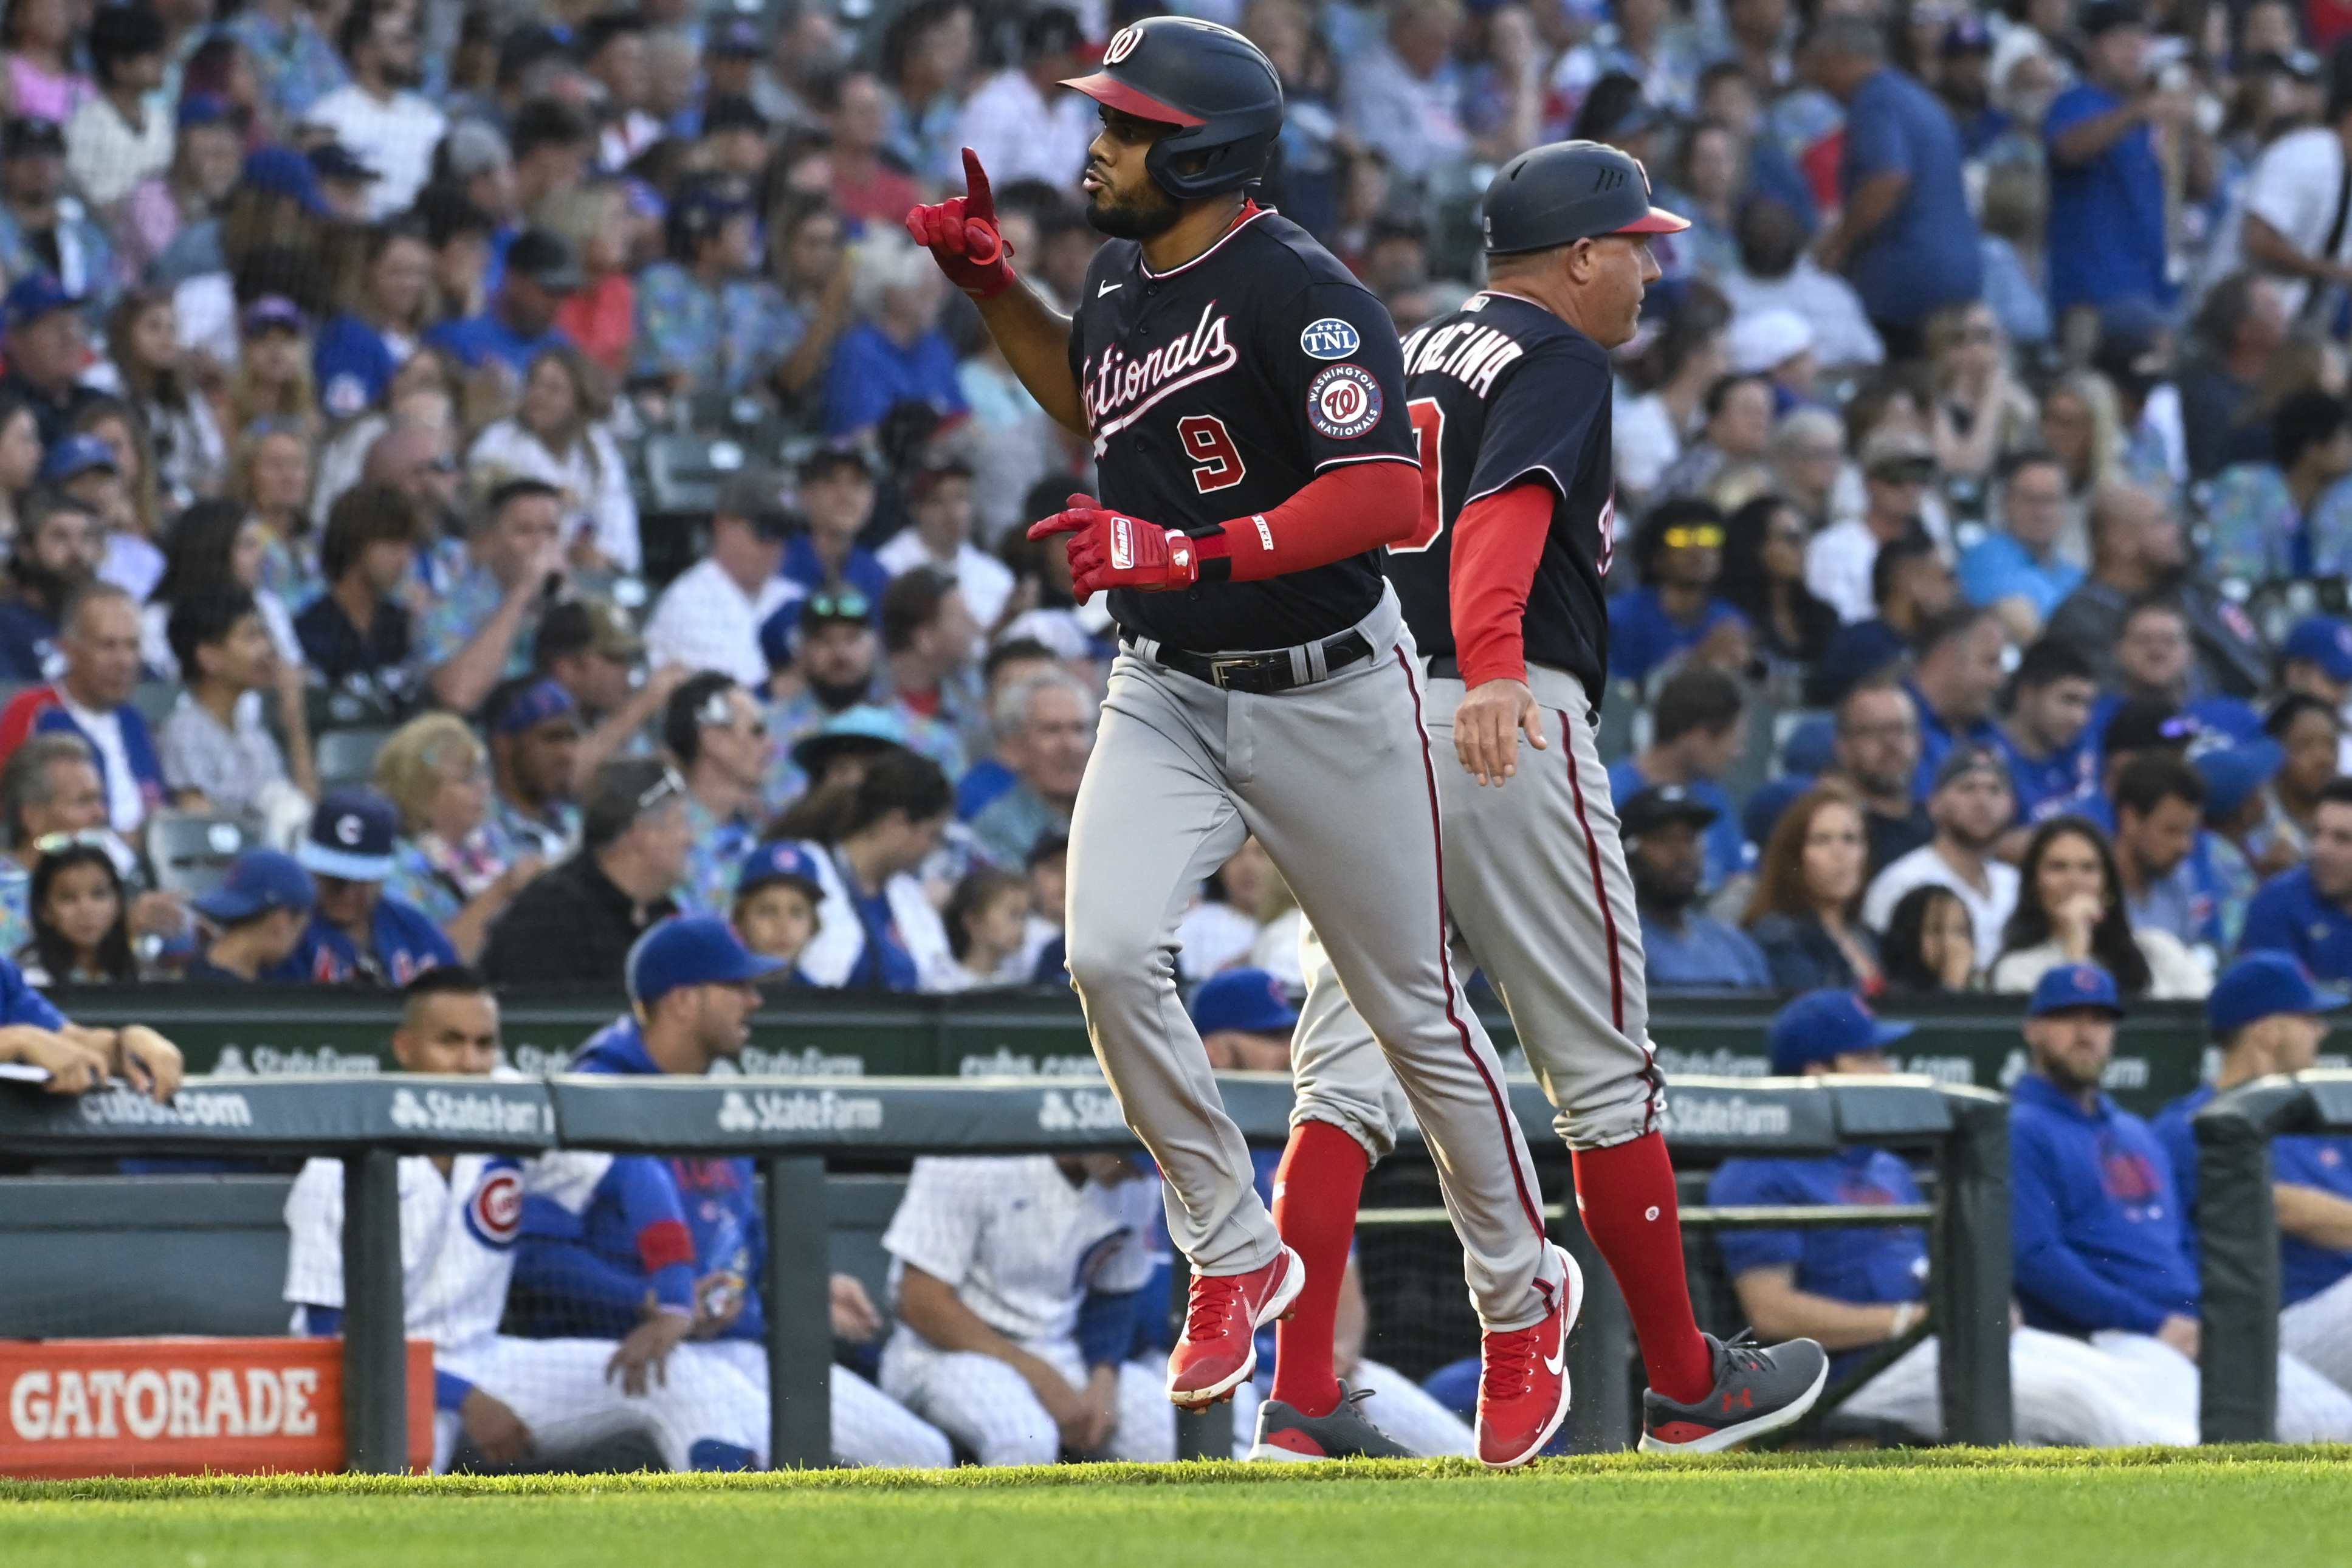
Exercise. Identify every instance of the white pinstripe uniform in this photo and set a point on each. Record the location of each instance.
(1022, 1246)
(456, 1254)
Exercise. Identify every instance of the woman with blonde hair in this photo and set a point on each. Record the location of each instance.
(1980, 414)
(601, 316)
(273, 371)
(272, 478)
(2082, 431)
(556, 433)
(447, 861)
(1806, 912)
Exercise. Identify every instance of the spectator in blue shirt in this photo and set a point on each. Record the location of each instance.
(2317, 657)
(2161, 857)
(1698, 729)
(1957, 673)
(357, 935)
(1684, 951)
(34, 1034)
(541, 272)
(356, 353)
(2307, 912)
(261, 912)
(2106, 183)
(1675, 614)
(1860, 1289)
(2267, 1017)
(896, 353)
(2047, 738)
(836, 498)
(2017, 569)
(1904, 238)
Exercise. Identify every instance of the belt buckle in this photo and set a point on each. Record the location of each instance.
(1219, 665)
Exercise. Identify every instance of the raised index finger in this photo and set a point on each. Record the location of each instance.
(979, 201)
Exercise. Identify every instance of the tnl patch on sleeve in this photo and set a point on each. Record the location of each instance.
(1343, 402)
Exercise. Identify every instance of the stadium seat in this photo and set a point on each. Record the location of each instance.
(192, 851)
(347, 757)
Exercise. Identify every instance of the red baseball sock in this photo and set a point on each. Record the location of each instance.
(1626, 1194)
(1315, 1192)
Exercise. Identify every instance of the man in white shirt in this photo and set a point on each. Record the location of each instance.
(1017, 1281)
(1897, 466)
(710, 617)
(612, 46)
(940, 502)
(118, 139)
(392, 129)
(1972, 805)
(2296, 199)
(1404, 99)
(1021, 122)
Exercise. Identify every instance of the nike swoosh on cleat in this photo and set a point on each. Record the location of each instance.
(1558, 1357)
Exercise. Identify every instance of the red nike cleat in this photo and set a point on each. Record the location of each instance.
(1218, 1350)
(1523, 1385)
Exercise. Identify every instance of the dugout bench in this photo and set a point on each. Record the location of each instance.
(2238, 1242)
(793, 1126)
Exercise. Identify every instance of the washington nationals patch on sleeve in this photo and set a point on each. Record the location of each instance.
(1343, 402)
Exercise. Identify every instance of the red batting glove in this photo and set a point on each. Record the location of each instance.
(963, 238)
(1112, 550)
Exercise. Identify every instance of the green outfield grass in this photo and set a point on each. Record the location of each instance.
(2263, 1506)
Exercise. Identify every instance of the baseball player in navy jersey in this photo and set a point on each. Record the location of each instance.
(1245, 399)
(1501, 582)
(459, 1218)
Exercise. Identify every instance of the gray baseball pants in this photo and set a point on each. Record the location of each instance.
(1541, 899)
(1336, 780)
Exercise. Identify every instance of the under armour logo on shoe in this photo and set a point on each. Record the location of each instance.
(1745, 1399)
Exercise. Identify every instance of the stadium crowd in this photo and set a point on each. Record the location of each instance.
(1984, 489)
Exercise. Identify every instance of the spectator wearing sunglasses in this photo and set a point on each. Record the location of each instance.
(719, 735)
(1675, 614)
(575, 925)
(709, 618)
(1898, 468)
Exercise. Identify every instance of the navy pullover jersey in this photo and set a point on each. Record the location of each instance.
(1221, 389)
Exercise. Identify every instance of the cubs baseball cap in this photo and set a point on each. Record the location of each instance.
(547, 260)
(74, 456)
(2260, 985)
(691, 949)
(284, 172)
(1250, 1000)
(2232, 773)
(781, 860)
(534, 706)
(259, 881)
(201, 109)
(272, 313)
(2106, 15)
(350, 837)
(34, 295)
(333, 161)
(738, 40)
(2146, 725)
(1821, 1026)
(2072, 985)
(1655, 807)
(2322, 640)
(1961, 761)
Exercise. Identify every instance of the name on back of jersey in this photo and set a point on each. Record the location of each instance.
(1471, 352)
(1122, 389)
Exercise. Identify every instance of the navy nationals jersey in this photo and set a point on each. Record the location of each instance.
(1502, 391)
(1220, 389)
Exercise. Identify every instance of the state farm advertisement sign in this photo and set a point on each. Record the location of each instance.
(163, 1408)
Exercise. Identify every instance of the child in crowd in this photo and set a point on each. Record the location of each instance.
(261, 912)
(776, 899)
(82, 932)
(987, 921)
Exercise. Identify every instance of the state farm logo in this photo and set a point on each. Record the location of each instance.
(189, 1107)
(1725, 1116)
(824, 1111)
(440, 1111)
(149, 1402)
(1080, 1111)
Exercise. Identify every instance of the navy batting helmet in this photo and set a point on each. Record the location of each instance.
(1567, 191)
(1209, 81)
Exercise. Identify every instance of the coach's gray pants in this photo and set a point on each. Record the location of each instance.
(1336, 781)
(1537, 885)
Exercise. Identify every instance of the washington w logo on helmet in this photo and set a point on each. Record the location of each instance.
(1122, 46)
(1213, 85)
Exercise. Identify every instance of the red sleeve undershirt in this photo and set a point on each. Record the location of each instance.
(1496, 542)
(1341, 511)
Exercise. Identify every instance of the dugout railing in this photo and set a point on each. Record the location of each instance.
(2238, 1242)
(793, 1126)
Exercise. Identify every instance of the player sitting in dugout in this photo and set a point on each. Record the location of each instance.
(1856, 1290)
(2267, 1016)
(692, 991)
(521, 1400)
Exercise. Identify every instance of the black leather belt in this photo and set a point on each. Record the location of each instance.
(1261, 673)
(1445, 666)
